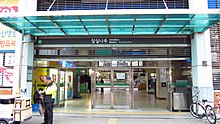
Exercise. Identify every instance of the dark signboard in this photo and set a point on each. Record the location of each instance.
(100, 41)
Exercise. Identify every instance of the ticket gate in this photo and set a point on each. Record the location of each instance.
(118, 87)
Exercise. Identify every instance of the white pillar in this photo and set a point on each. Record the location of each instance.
(202, 65)
(23, 69)
(201, 57)
(21, 76)
(198, 5)
(27, 6)
(162, 79)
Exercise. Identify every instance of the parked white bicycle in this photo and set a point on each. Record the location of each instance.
(199, 110)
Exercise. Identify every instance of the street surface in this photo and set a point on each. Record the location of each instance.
(120, 119)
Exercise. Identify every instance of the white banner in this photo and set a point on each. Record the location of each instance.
(1, 59)
(9, 59)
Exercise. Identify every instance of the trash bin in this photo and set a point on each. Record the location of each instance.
(35, 107)
(182, 101)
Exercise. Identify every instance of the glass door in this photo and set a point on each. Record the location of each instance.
(112, 88)
(122, 88)
(61, 88)
(101, 87)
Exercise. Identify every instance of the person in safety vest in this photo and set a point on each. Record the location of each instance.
(49, 97)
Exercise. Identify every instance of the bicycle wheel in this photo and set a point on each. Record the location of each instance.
(3, 122)
(210, 114)
(194, 110)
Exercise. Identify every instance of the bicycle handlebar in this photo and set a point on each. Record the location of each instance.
(196, 95)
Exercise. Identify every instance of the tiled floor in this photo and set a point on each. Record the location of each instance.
(120, 119)
(143, 102)
(148, 110)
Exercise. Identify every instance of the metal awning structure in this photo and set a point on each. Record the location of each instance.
(112, 22)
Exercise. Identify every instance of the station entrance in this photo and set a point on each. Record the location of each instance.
(130, 87)
(118, 84)
(121, 73)
(138, 88)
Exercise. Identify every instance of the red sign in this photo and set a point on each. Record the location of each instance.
(8, 6)
(4, 9)
(7, 35)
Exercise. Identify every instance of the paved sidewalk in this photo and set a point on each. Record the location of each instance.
(177, 118)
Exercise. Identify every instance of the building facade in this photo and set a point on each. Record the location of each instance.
(171, 37)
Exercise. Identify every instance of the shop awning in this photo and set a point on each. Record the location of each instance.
(112, 22)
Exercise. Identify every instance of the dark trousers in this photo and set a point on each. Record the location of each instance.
(89, 87)
(48, 115)
(102, 90)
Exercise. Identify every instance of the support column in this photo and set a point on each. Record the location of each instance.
(202, 65)
(201, 57)
(93, 77)
(112, 88)
(24, 53)
(27, 6)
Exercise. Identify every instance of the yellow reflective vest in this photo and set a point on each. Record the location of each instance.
(51, 89)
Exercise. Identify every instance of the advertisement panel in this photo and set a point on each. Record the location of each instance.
(9, 59)
(54, 74)
(7, 39)
(68, 84)
(1, 59)
(40, 74)
(7, 35)
(217, 98)
(6, 76)
(8, 6)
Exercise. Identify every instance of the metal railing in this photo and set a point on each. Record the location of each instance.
(213, 4)
(111, 4)
(108, 52)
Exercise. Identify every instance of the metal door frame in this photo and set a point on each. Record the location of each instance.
(112, 69)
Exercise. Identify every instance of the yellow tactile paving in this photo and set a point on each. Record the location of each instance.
(112, 121)
(125, 113)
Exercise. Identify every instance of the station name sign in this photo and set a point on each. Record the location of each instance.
(110, 41)
(102, 41)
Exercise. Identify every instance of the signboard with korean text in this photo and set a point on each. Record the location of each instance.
(29, 73)
(107, 41)
(7, 39)
(7, 35)
(1, 59)
(120, 76)
(134, 63)
(7, 6)
(9, 59)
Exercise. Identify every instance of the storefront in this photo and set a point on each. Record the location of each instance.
(61, 73)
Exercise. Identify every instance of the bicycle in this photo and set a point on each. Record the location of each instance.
(199, 109)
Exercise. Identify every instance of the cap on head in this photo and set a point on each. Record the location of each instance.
(48, 78)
